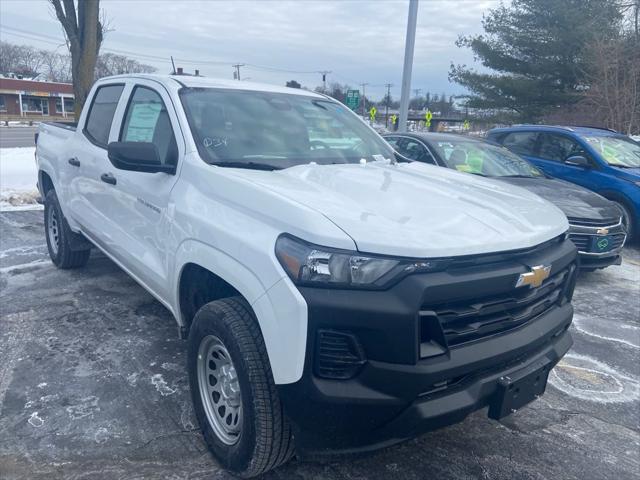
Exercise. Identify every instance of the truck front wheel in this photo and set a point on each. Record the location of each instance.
(60, 237)
(234, 396)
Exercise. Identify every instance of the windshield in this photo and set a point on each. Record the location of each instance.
(483, 159)
(260, 129)
(617, 151)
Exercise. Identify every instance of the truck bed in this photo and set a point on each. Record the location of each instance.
(67, 125)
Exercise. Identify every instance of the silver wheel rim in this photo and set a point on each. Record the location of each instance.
(53, 230)
(219, 389)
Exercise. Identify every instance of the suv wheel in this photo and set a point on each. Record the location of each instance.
(59, 236)
(234, 396)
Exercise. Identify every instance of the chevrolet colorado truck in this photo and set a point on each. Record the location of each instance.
(334, 298)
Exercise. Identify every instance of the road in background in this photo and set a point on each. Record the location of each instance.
(17, 136)
(93, 384)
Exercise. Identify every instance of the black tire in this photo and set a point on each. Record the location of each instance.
(61, 251)
(628, 220)
(264, 441)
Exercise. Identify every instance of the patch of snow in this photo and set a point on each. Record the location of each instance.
(87, 407)
(18, 177)
(161, 385)
(35, 420)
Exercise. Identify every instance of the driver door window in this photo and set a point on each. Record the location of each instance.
(147, 120)
(414, 150)
(558, 147)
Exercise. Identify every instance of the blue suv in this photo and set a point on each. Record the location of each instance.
(601, 160)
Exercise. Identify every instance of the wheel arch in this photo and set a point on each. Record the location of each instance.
(217, 275)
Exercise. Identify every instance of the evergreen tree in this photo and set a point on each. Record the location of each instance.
(536, 51)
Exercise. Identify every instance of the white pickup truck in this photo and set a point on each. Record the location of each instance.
(334, 298)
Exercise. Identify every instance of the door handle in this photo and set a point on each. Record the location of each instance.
(74, 161)
(108, 178)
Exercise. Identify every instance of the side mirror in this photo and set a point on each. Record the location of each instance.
(137, 157)
(578, 161)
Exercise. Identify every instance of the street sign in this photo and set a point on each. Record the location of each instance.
(466, 125)
(372, 113)
(353, 99)
(394, 119)
(427, 118)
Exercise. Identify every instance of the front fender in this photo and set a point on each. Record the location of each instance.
(279, 308)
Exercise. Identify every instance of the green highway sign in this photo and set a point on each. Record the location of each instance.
(353, 99)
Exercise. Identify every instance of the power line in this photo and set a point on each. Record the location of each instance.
(324, 74)
(237, 72)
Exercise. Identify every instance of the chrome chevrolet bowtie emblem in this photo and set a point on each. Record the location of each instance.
(535, 277)
(602, 231)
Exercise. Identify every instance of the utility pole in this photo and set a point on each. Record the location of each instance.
(324, 74)
(408, 64)
(364, 99)
(386, 113)
(237, 67)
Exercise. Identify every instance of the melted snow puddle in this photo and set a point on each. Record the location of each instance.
(588, 379)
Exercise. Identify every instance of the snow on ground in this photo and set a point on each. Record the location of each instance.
(18, 178)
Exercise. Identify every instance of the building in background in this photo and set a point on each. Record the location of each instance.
(31, 99)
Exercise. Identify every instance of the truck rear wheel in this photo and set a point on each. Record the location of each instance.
(234, 396)
(59, 236)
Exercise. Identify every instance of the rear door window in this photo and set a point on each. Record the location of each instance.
(147, 120)
(100, 117)
(523, 143)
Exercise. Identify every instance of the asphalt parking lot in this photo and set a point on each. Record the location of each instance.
(93, 385)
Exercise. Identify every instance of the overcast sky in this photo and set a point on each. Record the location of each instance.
(359, 41)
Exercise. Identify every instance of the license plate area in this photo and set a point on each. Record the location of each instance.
(601, 243)
(518, 389)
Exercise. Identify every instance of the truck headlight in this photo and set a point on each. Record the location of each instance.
(314, 265)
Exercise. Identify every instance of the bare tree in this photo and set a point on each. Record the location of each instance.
(84, 33)
(614, 83)
(19, 59)
(112, 64)
(55, 66)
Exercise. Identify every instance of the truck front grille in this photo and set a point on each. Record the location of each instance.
(472, 319)
(582, 241)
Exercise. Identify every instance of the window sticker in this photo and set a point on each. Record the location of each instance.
(142, 122)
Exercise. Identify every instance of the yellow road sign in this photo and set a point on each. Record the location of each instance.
(428, 116)
(466, 125)
(394, 119)
(372, 113)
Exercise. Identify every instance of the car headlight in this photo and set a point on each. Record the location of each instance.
(308, 264)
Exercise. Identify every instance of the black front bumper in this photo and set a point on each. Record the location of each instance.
(591, 256)
(408, 382)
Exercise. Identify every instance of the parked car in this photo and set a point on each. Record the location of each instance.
(595, 223)
(333, 299)
(598, 159)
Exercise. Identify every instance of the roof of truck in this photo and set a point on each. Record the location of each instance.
(209, 82)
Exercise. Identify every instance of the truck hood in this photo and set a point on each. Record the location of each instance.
(573, 200)
(417, 210)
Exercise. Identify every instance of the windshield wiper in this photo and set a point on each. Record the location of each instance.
(516, 176)
(249, 165)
